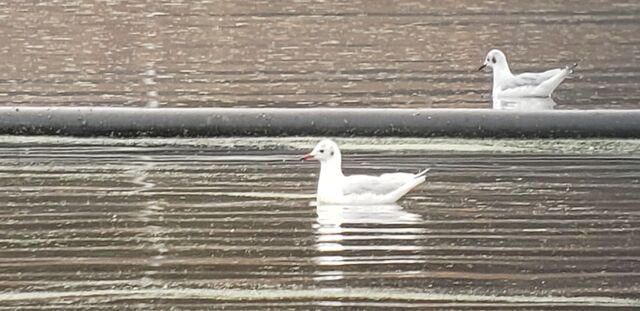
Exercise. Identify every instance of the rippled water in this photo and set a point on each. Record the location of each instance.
(198, 223)
(310, 53)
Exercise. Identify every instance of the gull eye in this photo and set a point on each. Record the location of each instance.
(321, 150)
(493, 59)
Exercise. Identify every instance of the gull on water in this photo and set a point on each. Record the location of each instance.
(336, 188)
(506, 84)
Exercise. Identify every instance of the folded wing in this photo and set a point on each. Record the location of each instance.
(529, 79)
(378, 185)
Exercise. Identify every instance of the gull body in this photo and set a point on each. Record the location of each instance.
(523, 103)
(506, 84)
(336, 188)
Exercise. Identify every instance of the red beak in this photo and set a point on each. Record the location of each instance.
(306, 157)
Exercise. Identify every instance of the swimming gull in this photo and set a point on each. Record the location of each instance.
(336, 188)
(506, 84)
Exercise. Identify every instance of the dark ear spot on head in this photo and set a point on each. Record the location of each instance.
(493, 60)
(331, 152)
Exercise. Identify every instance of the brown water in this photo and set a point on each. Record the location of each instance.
(310, 53)
(227, 223)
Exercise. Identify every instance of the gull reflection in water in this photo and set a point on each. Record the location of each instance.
(524, 103)
(347, 237)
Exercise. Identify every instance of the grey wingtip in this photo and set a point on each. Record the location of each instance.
(571, 67)
(423, 173)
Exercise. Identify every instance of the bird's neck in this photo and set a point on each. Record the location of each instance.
(501, 72)
(330, 170)
(330, 178)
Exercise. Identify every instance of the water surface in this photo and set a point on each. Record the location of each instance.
(197, 223)
(308, 53)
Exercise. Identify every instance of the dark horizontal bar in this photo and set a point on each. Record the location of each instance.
(190, 122)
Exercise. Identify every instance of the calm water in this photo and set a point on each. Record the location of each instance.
(227, 223)
(310, 53)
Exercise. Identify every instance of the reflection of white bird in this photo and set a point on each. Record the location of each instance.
(335, 188)
(506, 84)
(355, 235)
(336, 223)
(524, 103)
(385, 214)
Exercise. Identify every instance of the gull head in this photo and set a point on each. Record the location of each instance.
(495, 58)
(326, 150)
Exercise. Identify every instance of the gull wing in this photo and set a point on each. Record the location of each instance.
(529, 79)
(379, 185)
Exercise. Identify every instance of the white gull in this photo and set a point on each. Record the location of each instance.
(336, 188)
(506, 84)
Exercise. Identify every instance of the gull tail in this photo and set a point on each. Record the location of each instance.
(422, 173)
(395, 195)
(570, 68)
(547, 87)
